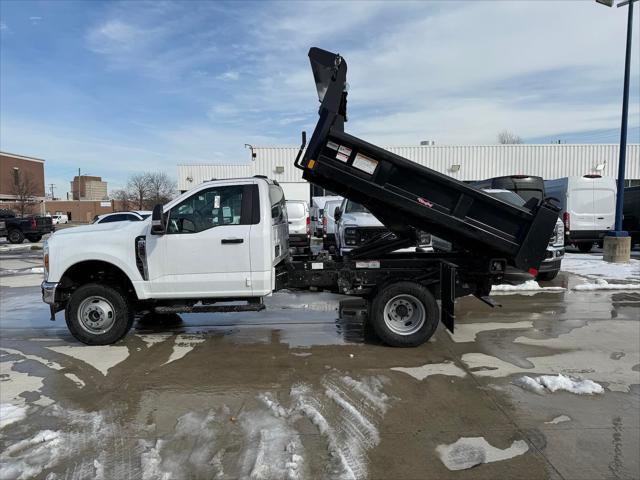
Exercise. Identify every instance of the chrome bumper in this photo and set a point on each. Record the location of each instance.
(49, 292)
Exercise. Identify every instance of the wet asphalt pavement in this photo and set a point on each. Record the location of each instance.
(295, 392)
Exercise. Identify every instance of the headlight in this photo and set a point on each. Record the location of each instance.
(350, 232)
(45, 258)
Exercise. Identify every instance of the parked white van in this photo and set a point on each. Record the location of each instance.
(317, 211)
(588, 206)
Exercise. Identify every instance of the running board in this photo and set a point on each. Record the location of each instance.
(251, 307)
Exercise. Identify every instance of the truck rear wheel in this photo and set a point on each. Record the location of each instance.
(98, 314)
(404, 314)
(15, 236)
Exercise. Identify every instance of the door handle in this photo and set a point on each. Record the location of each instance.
(600, 218)
(232, 240)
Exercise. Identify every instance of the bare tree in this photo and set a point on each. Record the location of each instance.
(123, 197)
(161, 188)
(24, 189)
(506, 137)
(138, 187)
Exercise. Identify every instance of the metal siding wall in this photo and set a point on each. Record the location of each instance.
(476, 162)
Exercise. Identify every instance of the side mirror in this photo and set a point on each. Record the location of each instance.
(337, 214)
(157, 223)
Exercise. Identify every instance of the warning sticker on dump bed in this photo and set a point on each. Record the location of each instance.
(365, 164)
(342, 157)
(332, 146)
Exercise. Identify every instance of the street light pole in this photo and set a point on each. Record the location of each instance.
(617, 243)
(623, 129)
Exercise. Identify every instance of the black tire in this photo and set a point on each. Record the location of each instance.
(122, 311)
(34, 238)
(585, 247)
(391, 293)
(545, 276)
(15, 236)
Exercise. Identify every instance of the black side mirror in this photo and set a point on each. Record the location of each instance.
(157, 223)
(337, 214)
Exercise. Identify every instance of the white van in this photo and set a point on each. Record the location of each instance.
(588, 207)
(317, 211)
(299, 226)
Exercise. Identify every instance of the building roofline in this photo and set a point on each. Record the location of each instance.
(21, 157)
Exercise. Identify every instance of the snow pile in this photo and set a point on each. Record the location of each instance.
(167, 458)
(593, 266)
(37, 270)
(11, 414)
(348, 423)
(553, 383)
(468, 452)
(528, 286)
(601, 284)
(85, 433)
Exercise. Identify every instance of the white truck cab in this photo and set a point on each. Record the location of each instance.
(222, 239)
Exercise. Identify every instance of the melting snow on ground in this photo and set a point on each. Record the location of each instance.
(593, 266)
(553, 383)
(11, 414)
(468, 452)
(420, 373)
(528, 286)
(559, 419)
(601, 284)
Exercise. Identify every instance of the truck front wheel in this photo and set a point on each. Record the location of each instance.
(98, 314)
(404, 314)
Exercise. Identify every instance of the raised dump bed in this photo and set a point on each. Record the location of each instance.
(406, 196)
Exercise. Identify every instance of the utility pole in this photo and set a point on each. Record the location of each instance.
(52, 186)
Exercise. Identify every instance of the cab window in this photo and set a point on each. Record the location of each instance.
(278, 209)
(206, 209)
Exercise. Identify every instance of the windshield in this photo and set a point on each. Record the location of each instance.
(295, 209)
(510, 197)
(353, 207)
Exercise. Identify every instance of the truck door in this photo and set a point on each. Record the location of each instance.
(205, 251)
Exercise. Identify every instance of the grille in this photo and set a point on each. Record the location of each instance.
(364, 234)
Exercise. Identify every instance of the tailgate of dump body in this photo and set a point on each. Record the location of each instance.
(406, 196)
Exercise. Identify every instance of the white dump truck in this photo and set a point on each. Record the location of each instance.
(223, 246)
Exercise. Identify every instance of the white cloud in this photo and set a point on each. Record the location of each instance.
(230, 75)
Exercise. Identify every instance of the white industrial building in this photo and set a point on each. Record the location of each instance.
(472, 162)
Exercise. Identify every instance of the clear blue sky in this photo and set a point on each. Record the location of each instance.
(119, 88)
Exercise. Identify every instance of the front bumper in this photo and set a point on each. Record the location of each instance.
(552, 261)
(49, 292)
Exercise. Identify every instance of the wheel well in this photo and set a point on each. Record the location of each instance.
(97, 271)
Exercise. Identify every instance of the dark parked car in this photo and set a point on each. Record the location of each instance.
(631, 213)
(16, 228)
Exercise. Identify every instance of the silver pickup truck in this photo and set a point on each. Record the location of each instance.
(355, 225)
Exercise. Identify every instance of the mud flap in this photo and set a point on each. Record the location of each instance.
(447, 294)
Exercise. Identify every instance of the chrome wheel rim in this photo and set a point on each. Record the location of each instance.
(96, 315)
(404, 314)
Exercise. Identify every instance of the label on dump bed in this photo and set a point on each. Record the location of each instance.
(317, 266)
(344, 150)
(342, 157)
(368, 264)
(332, 146)
(365, 164)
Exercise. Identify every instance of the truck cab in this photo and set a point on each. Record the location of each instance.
(222, 239)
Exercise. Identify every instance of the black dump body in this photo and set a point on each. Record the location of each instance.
(406, 196)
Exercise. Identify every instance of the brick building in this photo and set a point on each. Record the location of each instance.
(82, 211)
(13, 167)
